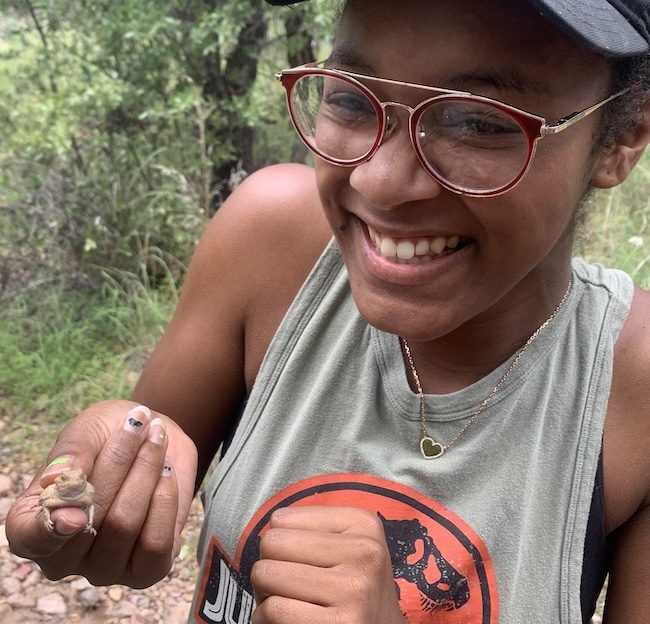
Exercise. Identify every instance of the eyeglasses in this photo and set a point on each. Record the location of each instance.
(472, 145)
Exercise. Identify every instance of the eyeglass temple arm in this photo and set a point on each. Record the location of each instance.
(566, 122)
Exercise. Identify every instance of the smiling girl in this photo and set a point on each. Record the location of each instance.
(431, 412)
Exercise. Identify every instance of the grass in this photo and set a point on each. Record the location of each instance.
(617, 233)
(73, 350)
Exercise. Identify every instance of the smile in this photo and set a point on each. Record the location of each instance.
(414, 250)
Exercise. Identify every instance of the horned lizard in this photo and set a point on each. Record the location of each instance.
(70, 489)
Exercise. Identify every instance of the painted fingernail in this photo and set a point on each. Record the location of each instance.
(60, 461)
(167, 468)
(157, 431)
(133, 424)
(58, 465)
(139, 411)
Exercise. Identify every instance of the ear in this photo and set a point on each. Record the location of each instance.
(614, 164)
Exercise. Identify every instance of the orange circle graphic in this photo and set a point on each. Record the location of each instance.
(442, 569)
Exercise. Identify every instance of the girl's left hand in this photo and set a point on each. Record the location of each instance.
(325, 565)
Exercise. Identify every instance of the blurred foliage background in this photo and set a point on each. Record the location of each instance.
(123, 126)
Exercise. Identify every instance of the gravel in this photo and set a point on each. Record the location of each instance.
(27, 597)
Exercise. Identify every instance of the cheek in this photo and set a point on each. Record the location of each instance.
(332, 182)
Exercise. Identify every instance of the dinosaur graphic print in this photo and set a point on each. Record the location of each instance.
(442, 570)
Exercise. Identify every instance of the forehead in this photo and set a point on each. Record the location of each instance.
(434, 41)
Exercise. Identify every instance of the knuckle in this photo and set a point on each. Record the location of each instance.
(270, 541)
(370, 550)
(274, 609)
(156, 544)
(147, 463)
(122, 529)
(118, 456)
(371, 522)
(260, 573)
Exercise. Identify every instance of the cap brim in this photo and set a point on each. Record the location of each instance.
(596, 23)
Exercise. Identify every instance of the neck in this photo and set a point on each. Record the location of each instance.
(476, 348)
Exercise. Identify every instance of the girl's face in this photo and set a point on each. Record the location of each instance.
(498, 255)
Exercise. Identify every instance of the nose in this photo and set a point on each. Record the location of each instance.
(394, 175)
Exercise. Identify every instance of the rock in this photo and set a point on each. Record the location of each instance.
(5, 505)
(22, 571)
(33, 578)
(90, 597)
(21, 601)
(79, 584)
(52, 604)
(122, 609)
(115, 593)
(4, 542)
(11, 585)
(6, 485)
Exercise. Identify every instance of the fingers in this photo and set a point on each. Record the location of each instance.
(136, 500)
(282, 610)
(77, 446)
(128, 476)
(328, 519)
(280, 578)
(322, 565)
(298, 546)
(152, 550)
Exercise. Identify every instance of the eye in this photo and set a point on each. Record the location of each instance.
(472, 124)
(479, 123)
(347, 104)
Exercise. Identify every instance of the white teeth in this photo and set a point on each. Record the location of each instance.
(422, 247)
(438, 244)
(388, 248)
(408, 251)
(405, 250)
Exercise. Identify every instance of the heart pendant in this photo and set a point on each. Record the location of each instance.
(430, 448)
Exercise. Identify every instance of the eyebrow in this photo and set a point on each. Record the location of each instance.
(507, 79)
(343, 55)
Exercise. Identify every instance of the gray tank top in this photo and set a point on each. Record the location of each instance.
(492, 531)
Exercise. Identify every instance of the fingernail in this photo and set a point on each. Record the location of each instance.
(65, 459)
(141, 409)
(136, 418)
(157, 431)
(65, 528)
(167, 468)
(58, 465)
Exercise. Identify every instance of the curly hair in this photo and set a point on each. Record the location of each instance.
(624, 114)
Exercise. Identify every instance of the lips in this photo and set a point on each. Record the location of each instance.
(414, 250)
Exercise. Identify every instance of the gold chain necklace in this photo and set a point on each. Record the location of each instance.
(431, 449)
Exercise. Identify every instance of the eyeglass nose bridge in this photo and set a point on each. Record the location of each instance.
(391, 122)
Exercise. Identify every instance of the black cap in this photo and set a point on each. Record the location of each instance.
(610, 27)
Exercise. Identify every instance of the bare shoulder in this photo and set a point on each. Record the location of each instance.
(627, 468)
(252, 259)
(277, 220)
(633, 346)
(627, 427)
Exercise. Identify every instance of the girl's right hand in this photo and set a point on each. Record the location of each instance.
(141, 505)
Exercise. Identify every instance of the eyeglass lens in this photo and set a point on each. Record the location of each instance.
(467, 143)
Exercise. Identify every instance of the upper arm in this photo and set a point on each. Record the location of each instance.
(627, 470)
(628, 590)
(246, 270)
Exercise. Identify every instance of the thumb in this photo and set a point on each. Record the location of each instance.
(77, 446)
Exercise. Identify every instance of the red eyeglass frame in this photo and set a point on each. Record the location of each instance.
(534, 126)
